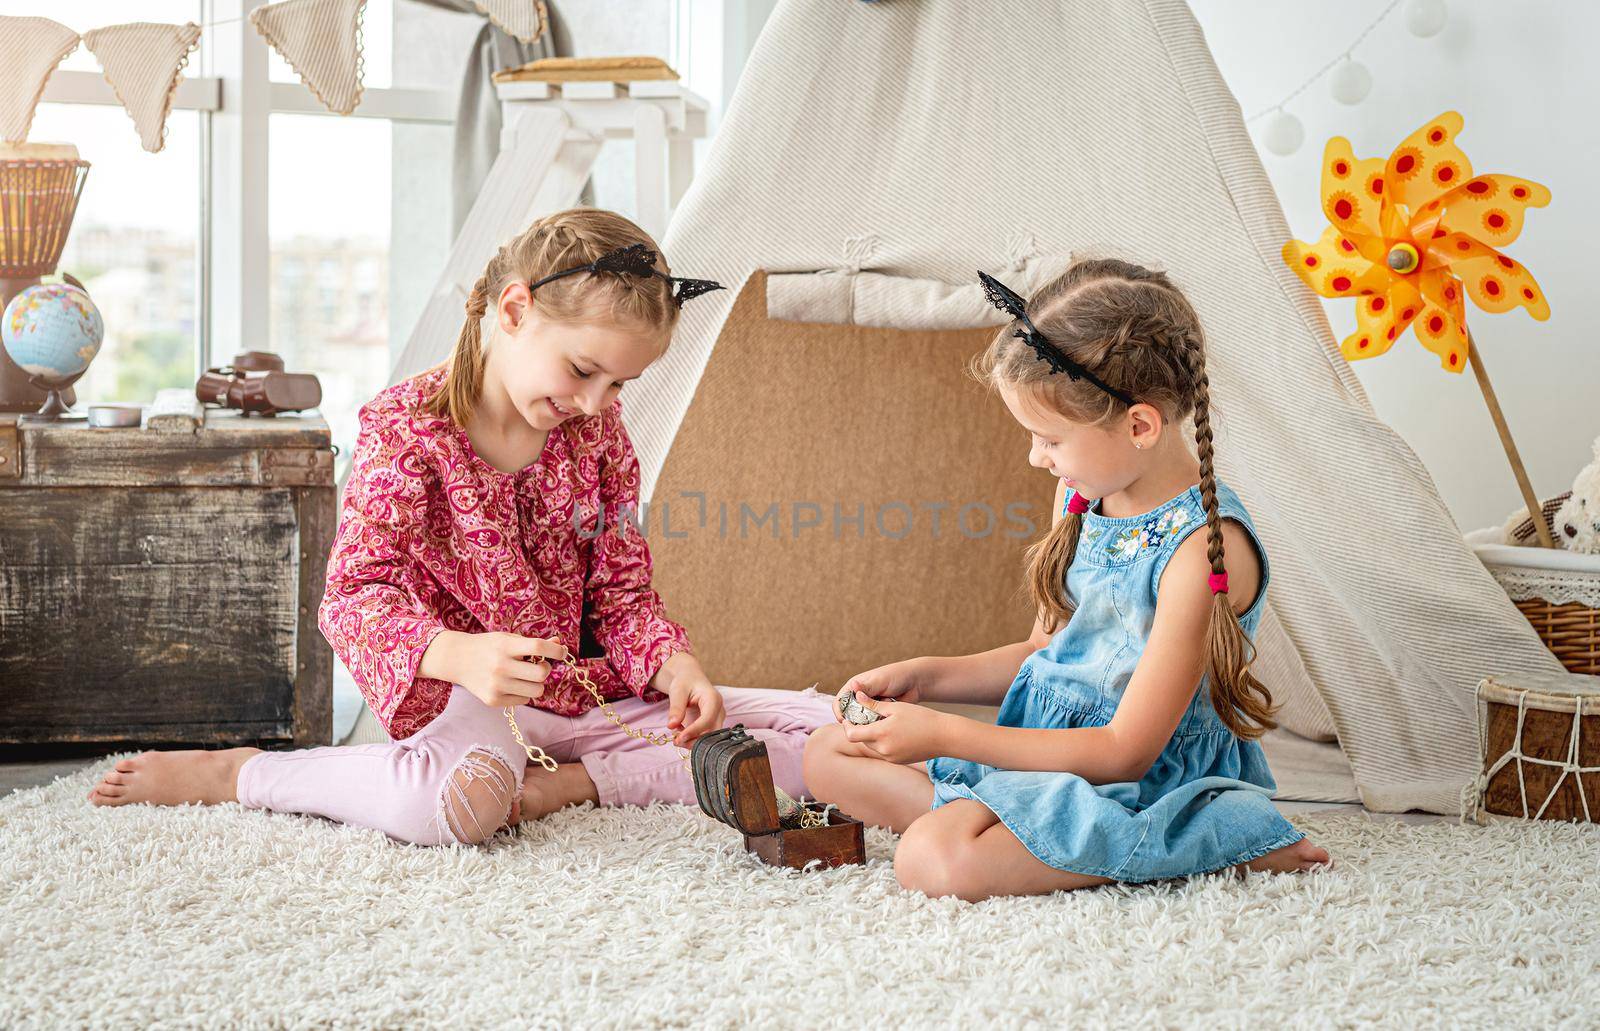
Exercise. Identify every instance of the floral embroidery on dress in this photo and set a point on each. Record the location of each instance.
(1151, 533)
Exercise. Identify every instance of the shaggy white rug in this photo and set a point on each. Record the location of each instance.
(220, 917)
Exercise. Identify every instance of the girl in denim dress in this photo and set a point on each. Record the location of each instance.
(1126, 747)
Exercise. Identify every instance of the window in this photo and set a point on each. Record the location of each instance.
(353, 205)
(134, 246)
(329, 215)
(330, 252)
(134, 240)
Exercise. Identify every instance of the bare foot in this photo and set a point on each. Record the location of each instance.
(1302, 855)
(544, 792)
(173, 778)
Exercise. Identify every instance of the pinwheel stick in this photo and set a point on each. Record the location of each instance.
(1535, 510)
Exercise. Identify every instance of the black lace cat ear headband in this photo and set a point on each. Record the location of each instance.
(636, 260)
(1010, 302)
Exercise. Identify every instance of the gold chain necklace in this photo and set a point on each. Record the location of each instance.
(786, 802)
(537, 754)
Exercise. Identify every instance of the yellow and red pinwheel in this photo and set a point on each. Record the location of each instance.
(1412, 236)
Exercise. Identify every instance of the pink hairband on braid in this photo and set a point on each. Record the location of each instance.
(1076, 505)
(1219, 583)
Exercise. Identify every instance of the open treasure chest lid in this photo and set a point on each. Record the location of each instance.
(733, 780)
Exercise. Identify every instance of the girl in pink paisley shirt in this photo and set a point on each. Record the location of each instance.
(467, 576)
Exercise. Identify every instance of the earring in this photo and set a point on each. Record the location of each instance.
(1138, 445)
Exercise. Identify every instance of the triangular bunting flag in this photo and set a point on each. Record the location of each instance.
(524, 19)
(143, 62)
(321, 39)
(30, 49)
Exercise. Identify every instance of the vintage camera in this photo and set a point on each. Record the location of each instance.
(256, 384)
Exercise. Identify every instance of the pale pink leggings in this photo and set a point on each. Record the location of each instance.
(455, 779)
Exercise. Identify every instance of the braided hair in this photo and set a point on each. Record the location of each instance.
(576, 236)
(1137, 332)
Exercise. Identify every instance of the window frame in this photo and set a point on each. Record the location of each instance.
(236, 97)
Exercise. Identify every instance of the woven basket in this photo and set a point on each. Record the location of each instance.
(1558, 591)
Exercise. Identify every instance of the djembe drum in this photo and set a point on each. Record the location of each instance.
(40, 184)
(1539, 739)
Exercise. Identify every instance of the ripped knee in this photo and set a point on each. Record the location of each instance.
(476, 798)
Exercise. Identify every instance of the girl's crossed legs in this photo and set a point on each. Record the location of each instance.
(463, 776)
(960, 848)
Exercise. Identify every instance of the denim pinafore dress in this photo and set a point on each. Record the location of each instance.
(1206, 802)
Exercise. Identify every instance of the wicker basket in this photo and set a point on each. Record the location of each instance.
(1559, 592)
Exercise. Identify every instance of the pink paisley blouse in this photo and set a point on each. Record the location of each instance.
(433, 538)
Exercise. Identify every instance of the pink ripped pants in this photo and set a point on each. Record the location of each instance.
(455, 779)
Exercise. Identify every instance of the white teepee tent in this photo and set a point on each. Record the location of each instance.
(878, 154)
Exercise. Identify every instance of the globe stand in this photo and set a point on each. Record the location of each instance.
(54, 409)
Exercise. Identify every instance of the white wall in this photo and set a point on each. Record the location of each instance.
(1524, 77)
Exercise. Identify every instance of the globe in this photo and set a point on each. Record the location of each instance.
(52, 331)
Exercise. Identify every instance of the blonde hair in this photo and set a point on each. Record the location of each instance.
(1136, 331)
(564, 240)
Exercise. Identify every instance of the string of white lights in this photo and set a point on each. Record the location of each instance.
(1350, 81)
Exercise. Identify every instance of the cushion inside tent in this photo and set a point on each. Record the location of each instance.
(841, 496)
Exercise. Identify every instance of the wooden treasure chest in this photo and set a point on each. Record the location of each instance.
(733, 783)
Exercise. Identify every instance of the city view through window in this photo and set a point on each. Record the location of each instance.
(135, 246)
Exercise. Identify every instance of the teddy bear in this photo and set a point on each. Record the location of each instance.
(1574, 517)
